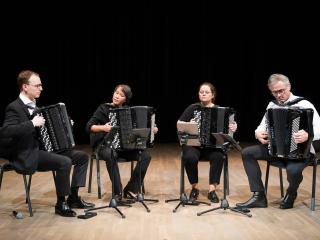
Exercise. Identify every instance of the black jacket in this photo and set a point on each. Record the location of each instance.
(19, 138)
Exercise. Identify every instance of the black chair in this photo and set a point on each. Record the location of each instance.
(313, 162)
(5, 166)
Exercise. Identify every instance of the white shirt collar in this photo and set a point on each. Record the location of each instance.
(26, 100)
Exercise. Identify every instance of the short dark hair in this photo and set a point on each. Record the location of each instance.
(126, 90)
(24, 76)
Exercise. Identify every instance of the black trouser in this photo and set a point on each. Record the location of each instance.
(252, 154)
(113, 168)
(62, 163)
(80, 161)
(192, 155)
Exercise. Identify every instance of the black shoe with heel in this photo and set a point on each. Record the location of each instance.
(193, 194)
(127, 193)
(288, 200)
(212, 196)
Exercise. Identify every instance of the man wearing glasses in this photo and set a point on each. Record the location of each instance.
(20, 126)
(280, 88)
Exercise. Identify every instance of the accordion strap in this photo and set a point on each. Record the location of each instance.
(289, 103)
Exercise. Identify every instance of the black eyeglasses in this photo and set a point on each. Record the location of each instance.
(278, 92)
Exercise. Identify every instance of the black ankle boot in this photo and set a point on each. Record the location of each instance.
(288, 200)
(193, 194)
(212, 196)
(258, 200)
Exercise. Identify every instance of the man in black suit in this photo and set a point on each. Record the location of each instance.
(19, 128)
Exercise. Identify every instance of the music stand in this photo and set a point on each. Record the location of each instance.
(139, 137)
(225, 141)
(114, 203)
(188, 136)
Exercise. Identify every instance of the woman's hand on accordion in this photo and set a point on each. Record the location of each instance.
(106, 127)
(38, 121)
(300, 136)
(101, 128)
(262, 136)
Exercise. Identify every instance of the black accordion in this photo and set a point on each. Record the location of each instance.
(214, 120)
(56, 134)
(281, 124)
(133, 127)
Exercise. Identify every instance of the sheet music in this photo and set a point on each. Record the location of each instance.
(191, 129)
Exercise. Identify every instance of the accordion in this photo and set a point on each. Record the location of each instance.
(209, 120)
(214, 120)
(56, 134)
(133, 127)
(282, 123)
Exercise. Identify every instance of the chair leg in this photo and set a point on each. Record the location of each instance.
(314, 183)
(90, 173)
(226, 175)
(1, 175)
(266, 181)
(98, 176)
(29, 185)
(27, 188)
(54, 177)
(281, 182)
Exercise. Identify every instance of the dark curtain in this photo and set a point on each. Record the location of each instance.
(164, 52)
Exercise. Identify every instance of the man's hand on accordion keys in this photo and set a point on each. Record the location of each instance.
(300, 136)
(38, 121)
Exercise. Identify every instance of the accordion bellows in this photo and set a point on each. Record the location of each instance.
(56, 134)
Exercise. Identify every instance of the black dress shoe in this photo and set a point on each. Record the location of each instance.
(64, 210)
(288, 200)
(79, 203)
(194, 194)
(212, 196)
(258, 200)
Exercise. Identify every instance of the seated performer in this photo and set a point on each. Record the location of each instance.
(191, 154)
(20, 127)
(280, 87)
(100, 124)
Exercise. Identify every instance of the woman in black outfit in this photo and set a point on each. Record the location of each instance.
(191, 154)
(100, 124)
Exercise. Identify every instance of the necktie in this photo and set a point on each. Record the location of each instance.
(31, 107)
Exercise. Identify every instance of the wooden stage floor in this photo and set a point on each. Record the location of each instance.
(161, 182)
